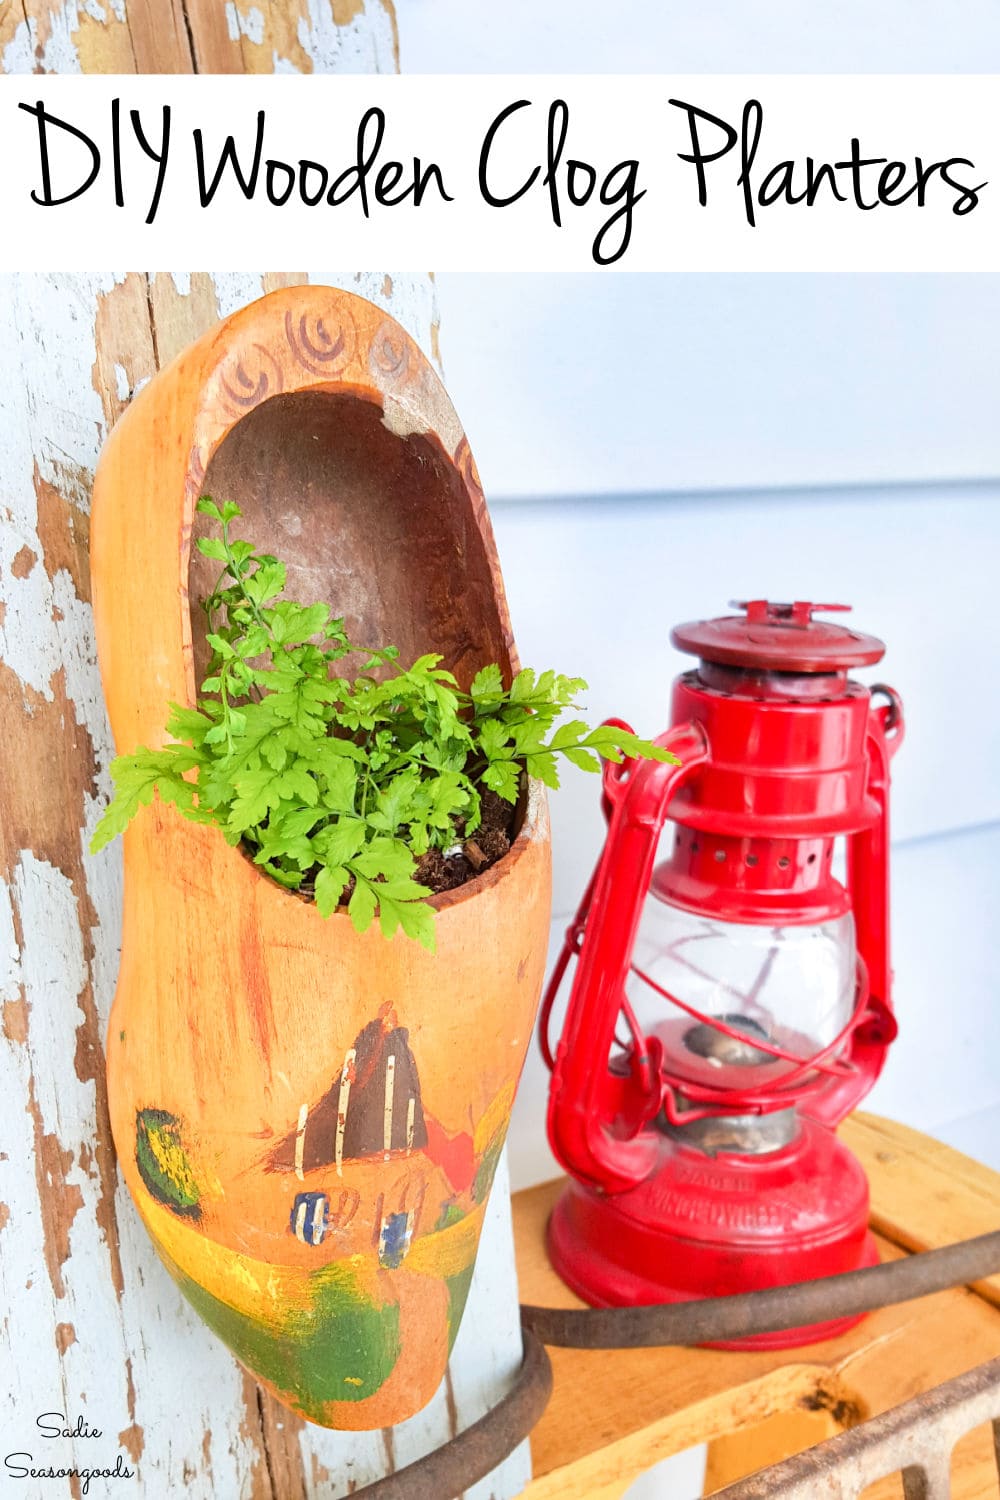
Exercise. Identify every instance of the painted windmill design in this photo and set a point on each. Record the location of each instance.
(372, 1110)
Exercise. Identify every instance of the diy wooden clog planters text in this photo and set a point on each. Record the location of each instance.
(307, 1118)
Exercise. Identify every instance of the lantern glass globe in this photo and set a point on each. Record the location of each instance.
(791, 987)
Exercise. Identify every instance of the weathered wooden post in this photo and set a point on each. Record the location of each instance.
(93, 1326)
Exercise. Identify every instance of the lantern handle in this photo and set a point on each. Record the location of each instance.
(870, 1035)
(890, 716)
(613, 777)
(868, 883)
(586, 1100)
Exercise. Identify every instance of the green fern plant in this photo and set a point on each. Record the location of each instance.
(339, 784)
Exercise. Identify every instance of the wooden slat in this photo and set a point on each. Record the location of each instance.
(924, 1194)
(736, 1454)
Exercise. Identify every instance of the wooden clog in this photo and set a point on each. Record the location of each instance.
(307, 1118)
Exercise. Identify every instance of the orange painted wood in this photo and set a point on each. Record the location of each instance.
(270, 1071)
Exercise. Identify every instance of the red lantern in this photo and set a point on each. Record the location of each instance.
(731, 1002)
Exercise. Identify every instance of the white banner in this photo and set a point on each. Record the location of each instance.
(502, 173)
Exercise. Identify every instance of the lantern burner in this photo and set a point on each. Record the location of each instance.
(742, 1135)
(724, 1050)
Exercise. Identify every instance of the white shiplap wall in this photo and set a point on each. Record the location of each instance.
(623, 384)
(715, 36)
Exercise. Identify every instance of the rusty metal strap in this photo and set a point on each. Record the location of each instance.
(916, 1438)
(725, 1318)
(475, 1452)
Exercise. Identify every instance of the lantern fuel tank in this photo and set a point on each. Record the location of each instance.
(731, 1000)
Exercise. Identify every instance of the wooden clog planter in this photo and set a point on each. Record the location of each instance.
(307, 1118)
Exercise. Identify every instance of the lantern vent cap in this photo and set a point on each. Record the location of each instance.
(779, 638)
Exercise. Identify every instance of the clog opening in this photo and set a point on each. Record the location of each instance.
(378, 526)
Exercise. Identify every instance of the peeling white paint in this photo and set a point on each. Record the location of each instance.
(53, 971)
(73, 634)
(27, 1345)
(60, 54)
(9, 955)
(55, 313)
(182, 282)
(409, 297)
(234, 289)
(363, 45)
(42, 425)
(244, 23)
(25, 634)
(19, 53)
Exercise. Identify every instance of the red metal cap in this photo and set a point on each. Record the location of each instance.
(778, 638)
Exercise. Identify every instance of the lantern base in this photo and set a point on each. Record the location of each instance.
(702, 1226)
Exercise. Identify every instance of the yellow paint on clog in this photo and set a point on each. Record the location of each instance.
(495, 1118)
(248, 1286)
(445, 1252)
